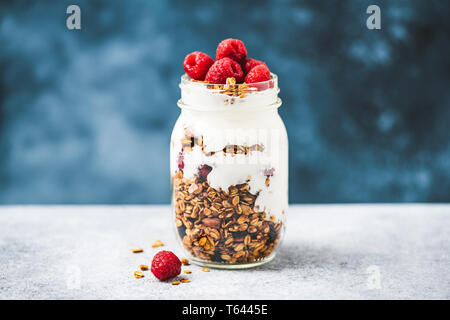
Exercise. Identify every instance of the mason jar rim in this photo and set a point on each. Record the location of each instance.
(203, 96)
(185, 79)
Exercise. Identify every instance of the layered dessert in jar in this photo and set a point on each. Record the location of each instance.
(229, 160)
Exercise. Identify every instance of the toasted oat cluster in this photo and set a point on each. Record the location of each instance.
(221, 226)
(189, 141)
(231, 88)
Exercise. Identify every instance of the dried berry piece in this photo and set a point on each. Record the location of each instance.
(165, 265)
(203, 172)
(250, 64)
(233, 49)
(197, 64)
(272, 235)
(269, 172)
(223, 69)
(180, 161)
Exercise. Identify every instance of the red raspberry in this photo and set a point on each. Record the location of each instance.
(223, 69)
(250, 64)
(231, 48)
(165, 265)
(196, 65)
(259, 73)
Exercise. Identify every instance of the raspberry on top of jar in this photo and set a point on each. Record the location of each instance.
(232, 70)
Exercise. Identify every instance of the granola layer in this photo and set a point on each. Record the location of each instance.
(222, 226)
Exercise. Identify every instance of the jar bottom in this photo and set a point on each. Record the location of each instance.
(232, 266)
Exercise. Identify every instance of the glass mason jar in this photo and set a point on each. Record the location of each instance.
(229, 172)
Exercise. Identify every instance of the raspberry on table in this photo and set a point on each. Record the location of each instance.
(232, 48)
(197, 64)
(250, 64)
(165, 265)
(223, 69)
(259, 73)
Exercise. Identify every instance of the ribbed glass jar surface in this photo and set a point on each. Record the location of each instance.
(229, 173)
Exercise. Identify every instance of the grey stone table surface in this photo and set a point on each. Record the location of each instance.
(329, 252)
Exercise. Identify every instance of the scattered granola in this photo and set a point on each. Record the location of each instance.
(137, 250)
(143, 267)
(187, 271)
(185, 280)
(138, 274)
(175, 283)
(185, 261)
(205, 269)
(158, 243)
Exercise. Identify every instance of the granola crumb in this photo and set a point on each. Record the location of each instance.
(143, 267)
(138, 274)
(185, 280)
(205, 269)
(137, 250)
(175, 283)
(158, 243)
(185, 261)
(187, 271)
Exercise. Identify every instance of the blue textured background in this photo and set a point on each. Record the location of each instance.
(86, 116)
